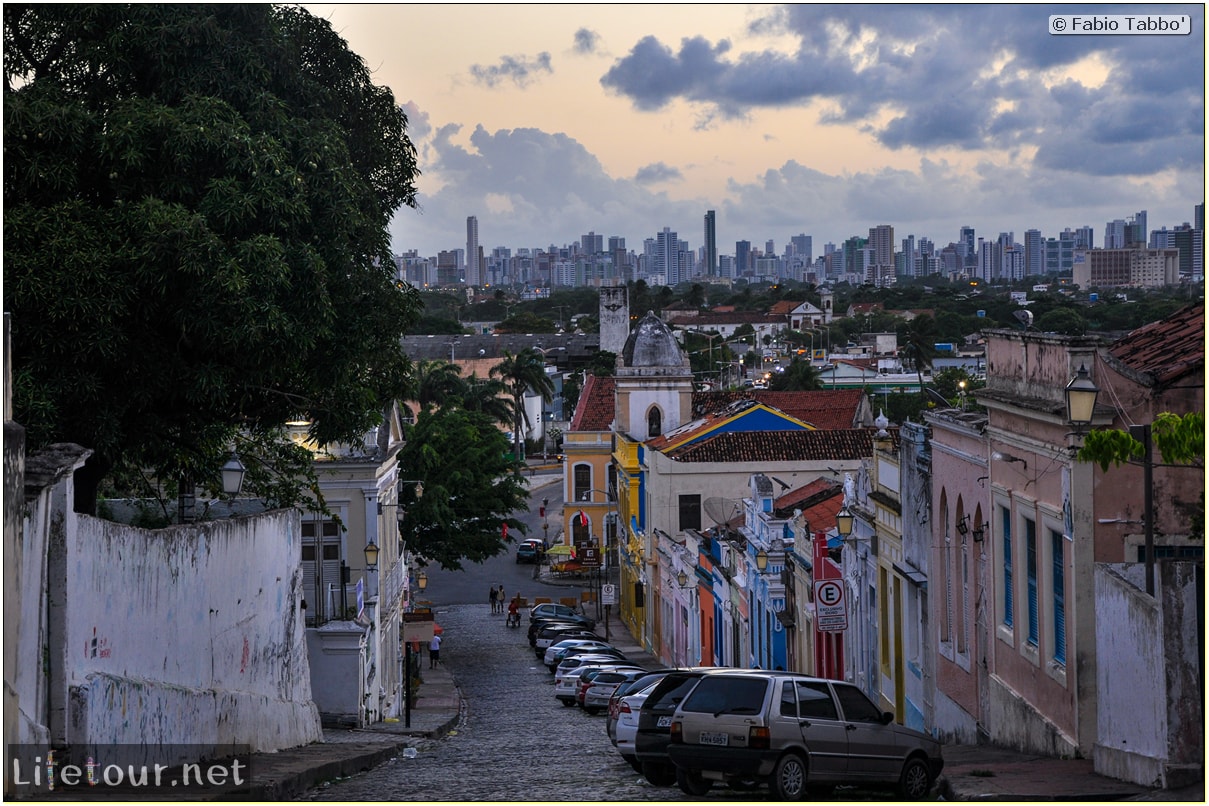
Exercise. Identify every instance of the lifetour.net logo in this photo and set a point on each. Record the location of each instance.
(108, 771)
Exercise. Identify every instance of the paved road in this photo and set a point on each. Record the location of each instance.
(516, 743)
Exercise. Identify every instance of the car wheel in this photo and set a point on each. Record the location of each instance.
(592, 709)
(691, 783)
(916, 780)
(634, 762)
(567, 704)
(789, 778)
(658, 774)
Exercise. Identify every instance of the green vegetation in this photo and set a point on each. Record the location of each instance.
(196, 245)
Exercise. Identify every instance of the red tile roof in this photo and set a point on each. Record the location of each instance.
(1166, 350)
(596, 409)
(783, 307)
(819, 502)
(779, 446)
(828, 409)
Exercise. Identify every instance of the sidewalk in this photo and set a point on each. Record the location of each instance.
(289, 773)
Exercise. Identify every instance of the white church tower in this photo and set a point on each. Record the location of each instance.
(654, 383)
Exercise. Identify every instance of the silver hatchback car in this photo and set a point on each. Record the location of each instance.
(791, 731)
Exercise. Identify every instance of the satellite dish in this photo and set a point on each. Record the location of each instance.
(722, 510)
(937, 397)
(1025, 316)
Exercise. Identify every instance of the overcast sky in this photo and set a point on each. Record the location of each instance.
(550, 121)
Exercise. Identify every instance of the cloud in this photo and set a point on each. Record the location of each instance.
(657, 172)
(519, 70)
(961, 77)
(587, 41)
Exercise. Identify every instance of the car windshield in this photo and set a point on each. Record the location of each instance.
(727, 695)
(669, 692)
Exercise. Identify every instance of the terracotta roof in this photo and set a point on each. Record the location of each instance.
(595, 409)
(779, 446)
(1168, 349)
(702, 425)
(807, 495)
(783, 307)
(825, 409)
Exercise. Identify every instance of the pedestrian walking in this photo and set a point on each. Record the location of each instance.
(501, 598)
(434, 652)
(494, 596)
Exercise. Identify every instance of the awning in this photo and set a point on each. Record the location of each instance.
(912, 575)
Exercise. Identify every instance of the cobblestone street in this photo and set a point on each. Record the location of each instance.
(515, 741)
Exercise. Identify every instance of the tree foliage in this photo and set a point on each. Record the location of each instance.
(470, 488)
(522, 372)
(196, 244)
(1180, 440)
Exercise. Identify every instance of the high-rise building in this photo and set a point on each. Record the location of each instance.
(1114, 234)
(616, 242)
(1034, 253)
(803, 247)
(881, 240)
(742, 257)
(473, 266)
(1084, 238)
(667, 261)
(591, 243)
(1135, 229)
(709, 259)
(770, 248)
(968, 247)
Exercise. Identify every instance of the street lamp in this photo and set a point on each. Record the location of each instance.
(1081, 395)
(761, 561)
(232, 475)
(961, 386)
(682, 579)
(371, 556)
(843, 522)
(422, 581)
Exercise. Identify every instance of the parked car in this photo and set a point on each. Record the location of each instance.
(561, 611)
(546, 622)
(529, 551)
(653, 733)
(790, 731)
(546, 638)
(551, 656)
(595, 692)
(569, 681)
(577, 658)
(622, 725)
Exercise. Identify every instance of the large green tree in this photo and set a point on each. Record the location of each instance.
(196, 246)
(469, 489)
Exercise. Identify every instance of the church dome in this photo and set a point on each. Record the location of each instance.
(651, 344)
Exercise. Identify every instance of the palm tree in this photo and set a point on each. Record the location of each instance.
(920, 345)
(435, 383)
(486, 395)
(521, 372)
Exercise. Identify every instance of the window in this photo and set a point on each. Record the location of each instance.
(654, 423)
(1030, 549)
(690, 512)
(789, 700)
(857, 707)
(582, 482)
(1057, 550)
(1006, 529)
(731, 695)
(814, 701)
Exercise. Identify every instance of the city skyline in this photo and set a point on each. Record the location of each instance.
(548, 122)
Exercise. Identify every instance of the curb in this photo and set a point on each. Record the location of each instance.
(945, 791)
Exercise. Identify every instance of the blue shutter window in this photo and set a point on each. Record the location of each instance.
(1030, 548)
(1008, 604)
(1059, 598)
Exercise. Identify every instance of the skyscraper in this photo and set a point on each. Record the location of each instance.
(473, 268)
(969, 251)
(1034, 253)
(803, 246)
(742, 256)
(710, 259)
(881, 240)
(667, 260)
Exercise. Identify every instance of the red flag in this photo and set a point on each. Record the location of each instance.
(583, 518)
(505, 530)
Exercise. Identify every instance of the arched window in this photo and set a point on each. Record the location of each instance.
(582, 482)
(654, 422)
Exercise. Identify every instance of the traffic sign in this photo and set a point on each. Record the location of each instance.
(830, 612)
(608, 594)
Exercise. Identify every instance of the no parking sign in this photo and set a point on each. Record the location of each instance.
(830, 612)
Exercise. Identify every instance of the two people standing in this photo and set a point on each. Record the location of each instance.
(498, 599)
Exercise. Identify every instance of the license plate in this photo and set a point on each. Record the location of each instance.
(664, 722)
(721, 739)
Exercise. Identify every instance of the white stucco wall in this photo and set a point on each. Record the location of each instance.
(188, 635)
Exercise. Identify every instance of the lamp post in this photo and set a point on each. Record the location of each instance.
(961, 387)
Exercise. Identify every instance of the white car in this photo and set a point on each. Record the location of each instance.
(552, 651)
(600, 690)
(566, 684)
(625, 726)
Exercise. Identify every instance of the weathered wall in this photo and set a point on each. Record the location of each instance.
(1159, 739)
(334, 653)
(187, 635)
